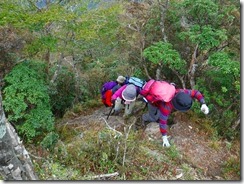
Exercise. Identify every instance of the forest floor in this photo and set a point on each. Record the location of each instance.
(193, 143)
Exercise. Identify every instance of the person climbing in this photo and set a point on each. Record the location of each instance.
(181, 100)
(126, 95)
(109, 88)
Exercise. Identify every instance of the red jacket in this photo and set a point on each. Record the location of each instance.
(108, 95)
(165, 108)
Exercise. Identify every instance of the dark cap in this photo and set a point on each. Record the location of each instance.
(182, 102)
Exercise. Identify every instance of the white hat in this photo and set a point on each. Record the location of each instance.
(129, 93)
(120, 79)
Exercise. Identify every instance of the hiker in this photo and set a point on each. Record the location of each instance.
(160, 111)
(126, 95)
(109, 89)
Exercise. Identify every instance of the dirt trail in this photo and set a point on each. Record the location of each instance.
(197, 148)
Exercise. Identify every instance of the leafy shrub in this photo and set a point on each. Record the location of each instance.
(63, 92)
(164, 53)
(221, 87)
(232, 167)
(50, 140)
(26, 100)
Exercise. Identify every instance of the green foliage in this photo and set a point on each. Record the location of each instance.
(222, 62)
(226, 75)
(201, 11)
(91, 103)
(102, 159)
(42, 43)
(187, 170)
(99, 23)
(232, 167)
(26, 100)
(56, 171)
(222, 92)
(97, 38)
(62, 92)
(139, 73)
(206, 36)
(98, 149)
(107, 147)
(50, 140)
(207, 12)
(173, 153)
(206, 22)
(91, 148)
(162, 52)
(10, 13)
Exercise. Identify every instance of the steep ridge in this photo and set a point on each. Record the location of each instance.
(195, 146)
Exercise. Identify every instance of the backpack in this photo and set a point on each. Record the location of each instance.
(136, 81)
(107, 86)
(155, 90)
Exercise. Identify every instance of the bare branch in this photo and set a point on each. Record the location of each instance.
(125, 148)
(180, 77)
(132, 28)
(236, 123)
(104, 175)
(146, 71)
(110, 128)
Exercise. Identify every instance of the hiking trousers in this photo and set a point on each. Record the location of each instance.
(119, 105)
(152, 115)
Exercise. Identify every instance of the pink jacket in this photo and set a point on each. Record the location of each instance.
(118, 93)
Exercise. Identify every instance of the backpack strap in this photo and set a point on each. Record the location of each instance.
(152, 85)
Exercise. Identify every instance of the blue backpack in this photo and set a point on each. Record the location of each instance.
(136, 81)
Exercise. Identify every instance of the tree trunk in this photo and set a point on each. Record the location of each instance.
(59, 66)
(163, 8)
(14, 159)
(73, 63)
(192, 68)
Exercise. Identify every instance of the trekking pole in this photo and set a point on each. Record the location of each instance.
(145, 100)
(110, 112)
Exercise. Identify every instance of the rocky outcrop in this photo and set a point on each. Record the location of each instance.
(15, 163)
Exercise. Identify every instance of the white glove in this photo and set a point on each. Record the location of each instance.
(165, 141)
(204, 109)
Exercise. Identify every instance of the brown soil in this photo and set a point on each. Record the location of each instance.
(198, 148)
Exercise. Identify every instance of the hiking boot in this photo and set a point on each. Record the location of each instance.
(144, 123)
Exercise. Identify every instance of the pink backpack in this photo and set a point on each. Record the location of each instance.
(155, 90)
